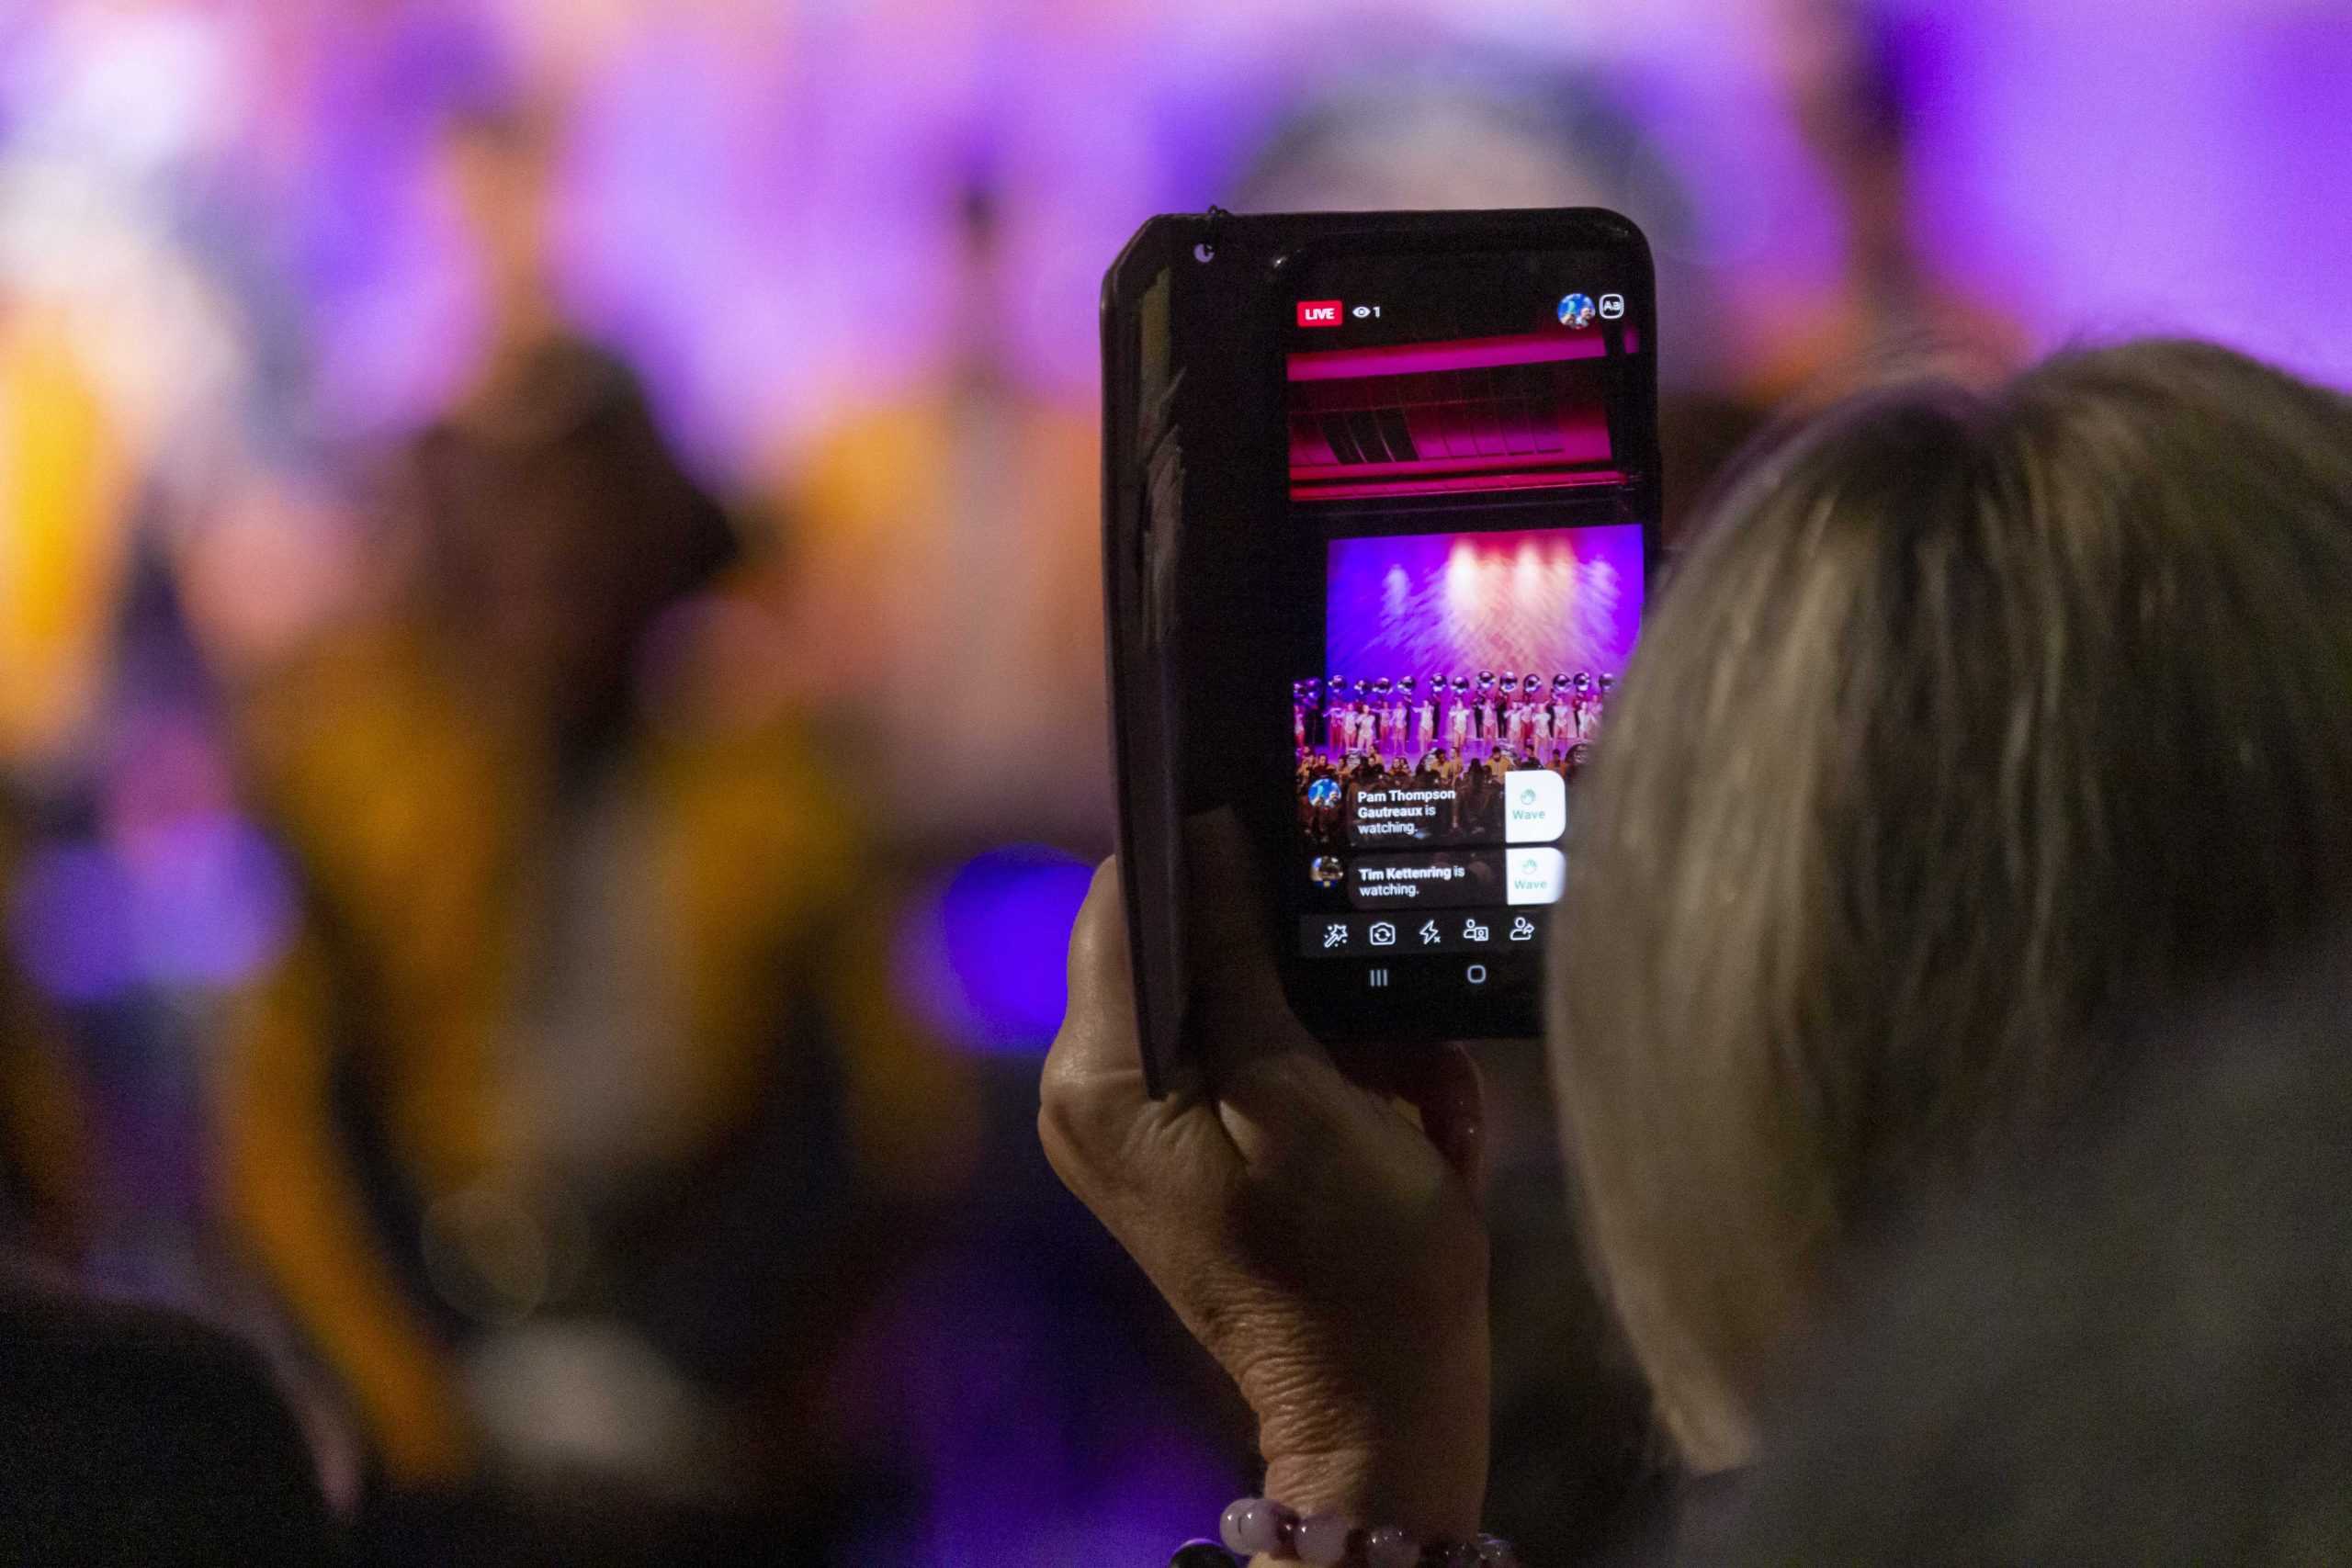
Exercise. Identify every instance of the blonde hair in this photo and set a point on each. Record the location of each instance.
(1970, 722)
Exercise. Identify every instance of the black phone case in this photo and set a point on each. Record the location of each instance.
(1194, 581)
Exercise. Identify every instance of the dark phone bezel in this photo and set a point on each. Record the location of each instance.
(1197, 588)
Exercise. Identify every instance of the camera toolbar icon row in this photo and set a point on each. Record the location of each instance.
(1447, 931)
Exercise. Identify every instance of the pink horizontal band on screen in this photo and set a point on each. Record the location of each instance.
(1468, 354)
(1360, 489)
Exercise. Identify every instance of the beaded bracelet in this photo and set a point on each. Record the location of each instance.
(1259, 1526)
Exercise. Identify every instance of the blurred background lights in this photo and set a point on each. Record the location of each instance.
(205, 904)
(984, 957)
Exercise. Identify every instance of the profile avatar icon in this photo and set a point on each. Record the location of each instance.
(1578, 310)
(1327, 871)
(1323, 792)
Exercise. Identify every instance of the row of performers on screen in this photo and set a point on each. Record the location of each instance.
(1470, 718)
(1327, 787)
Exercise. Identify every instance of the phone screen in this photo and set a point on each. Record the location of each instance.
(1471, 478)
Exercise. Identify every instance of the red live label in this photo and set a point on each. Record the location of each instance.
(1319, 312)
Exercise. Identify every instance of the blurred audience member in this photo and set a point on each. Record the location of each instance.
(564, 1124)
(1851, 66)
(2132, 1351)
(1974, 653)
(129, 1435)
(948, 598)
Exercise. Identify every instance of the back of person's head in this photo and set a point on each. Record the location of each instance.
(2134, 1348)
(1972, 725)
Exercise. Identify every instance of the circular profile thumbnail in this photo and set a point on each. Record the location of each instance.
(1578, 310)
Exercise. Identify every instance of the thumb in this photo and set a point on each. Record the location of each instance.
(1243, 1019)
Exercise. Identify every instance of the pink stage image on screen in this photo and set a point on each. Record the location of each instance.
(1548, 601)
(1515, 414)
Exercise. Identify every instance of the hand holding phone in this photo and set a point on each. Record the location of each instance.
(1325, 1246)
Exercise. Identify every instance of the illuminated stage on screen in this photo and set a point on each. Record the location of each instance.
(1547, 600)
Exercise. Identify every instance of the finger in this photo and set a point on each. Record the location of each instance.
(1098, 1032)
(1093, 1084)
(1445, 1086)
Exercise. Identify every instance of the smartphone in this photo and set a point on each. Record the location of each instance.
(1381, 501)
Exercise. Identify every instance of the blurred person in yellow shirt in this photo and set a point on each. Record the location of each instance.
(946, 607)
(64, 535)
(565, 1125)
